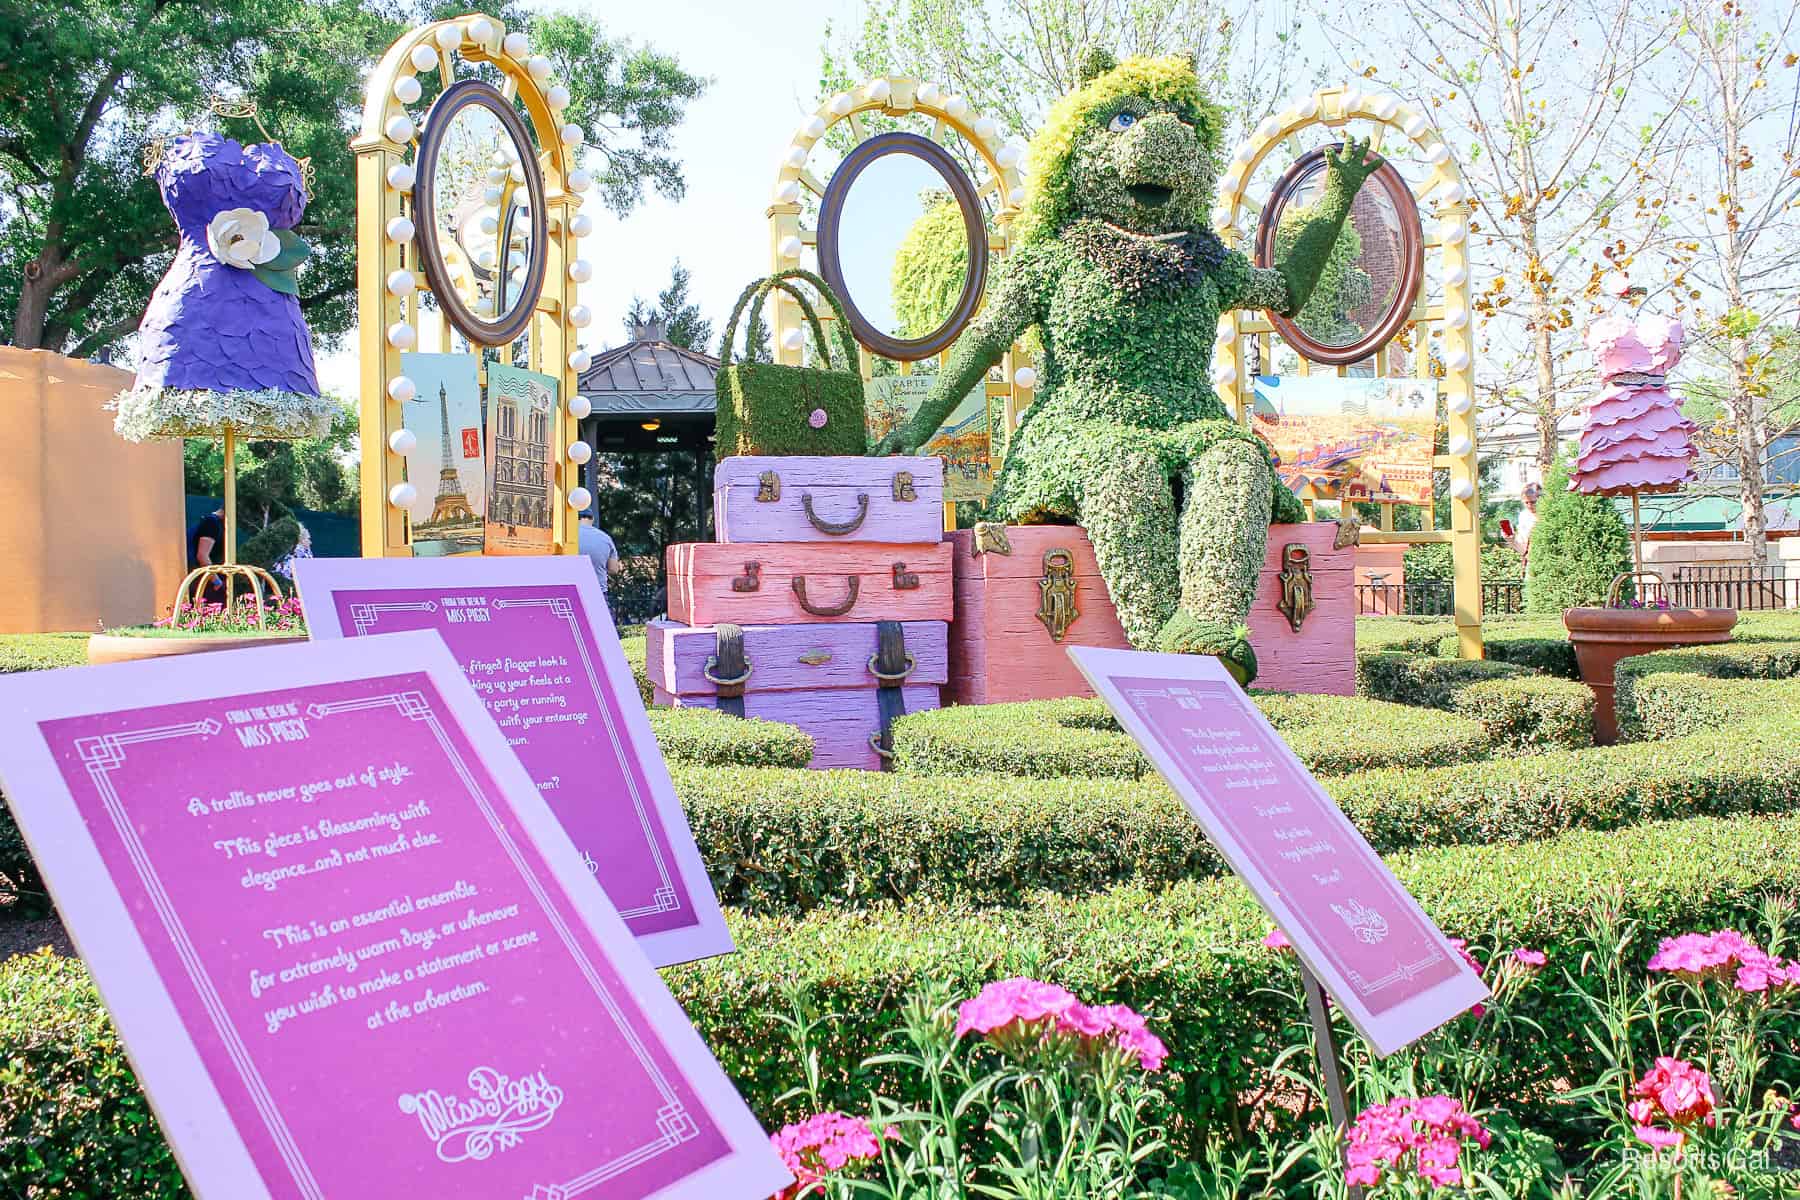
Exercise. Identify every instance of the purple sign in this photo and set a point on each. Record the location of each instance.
(535, 639)
(351, 952)
(1350, 920)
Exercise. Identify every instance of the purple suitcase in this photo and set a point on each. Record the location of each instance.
(817, 677)
(816, 499)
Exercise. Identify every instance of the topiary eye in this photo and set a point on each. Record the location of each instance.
(1122, 122)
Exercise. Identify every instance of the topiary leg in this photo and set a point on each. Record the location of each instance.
(1128, 509)
(1224, 533)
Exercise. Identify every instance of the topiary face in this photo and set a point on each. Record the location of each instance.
(1137, 146)
(1139, 166)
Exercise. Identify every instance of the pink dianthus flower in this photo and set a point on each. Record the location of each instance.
(822, 1145)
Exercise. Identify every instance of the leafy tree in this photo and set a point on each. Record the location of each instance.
(1569, 162)
(274, 478)
(1578, 547)
(678, 315)
(84, 88)
(930, 267)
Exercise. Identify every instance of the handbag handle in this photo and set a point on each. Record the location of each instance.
(752, 297)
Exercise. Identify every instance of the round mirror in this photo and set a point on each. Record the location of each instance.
(1370, 281)
(478, 205)
(893, 197)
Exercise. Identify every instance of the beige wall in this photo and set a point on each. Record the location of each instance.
(91, 526)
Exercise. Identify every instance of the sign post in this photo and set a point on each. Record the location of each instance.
(1359, 935)
(349, 950)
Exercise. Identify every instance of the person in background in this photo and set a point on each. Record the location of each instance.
(1527, 521)
(206, 548)
(593, 542)
(284, 567)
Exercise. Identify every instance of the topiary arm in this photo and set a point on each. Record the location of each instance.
(1305, 261)
(1010, 310)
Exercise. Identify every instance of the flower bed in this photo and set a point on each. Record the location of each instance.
(1189, 958)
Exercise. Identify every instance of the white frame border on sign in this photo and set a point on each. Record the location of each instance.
(1394, 1029)
(319, 579)
(211, 1153)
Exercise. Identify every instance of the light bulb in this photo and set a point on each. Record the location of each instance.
(581, 316)
(581, 225)
(401, 389)
(401, 177)
(580, 180)
(580, 452)
(424, 58)
(580, 498)
(399, 128)
(580, 406)
(957, 107)
(841, 104)
(403, 441)
(557, 96)
(788, 193)
(1460, 445)
(449, 37)
(1025, 377)
(402, 336)
(878, 89)
(539, 66)
(403, 495)
(579, 361)
(581, 270)
(929, 93)
(400, 230)
(814, 127)
(407, 89)
(793, 339)
(790, 246)
(516, 45)
(400, 283)
(481, 31)
(1461, 489)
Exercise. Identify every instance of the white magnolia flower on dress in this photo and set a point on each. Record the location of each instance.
(240, 237)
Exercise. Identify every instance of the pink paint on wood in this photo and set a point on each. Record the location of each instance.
(1001, 652)
(790, 657)
(709, 582)
(1321, 658)
(829, 500)
(840, 720)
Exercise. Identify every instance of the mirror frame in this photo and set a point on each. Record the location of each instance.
(509, 326)
(962, 190)
(1412, 250)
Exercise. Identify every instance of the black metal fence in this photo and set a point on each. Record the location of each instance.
(1432, 598)
(1743, 587)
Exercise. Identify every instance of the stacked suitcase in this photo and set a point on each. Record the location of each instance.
(825, 602)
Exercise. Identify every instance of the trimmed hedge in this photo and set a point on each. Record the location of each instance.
(1552, 655)
(1055, 739)
(1677, 692)
(41, 651)
(780, 841)
(715, 739)
(1190, 957)
(634, 648)
(1519, 709)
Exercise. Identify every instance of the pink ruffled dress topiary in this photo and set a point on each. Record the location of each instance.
(1633, 436)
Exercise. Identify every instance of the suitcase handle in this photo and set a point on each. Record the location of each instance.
(836, 528)
(835, 610)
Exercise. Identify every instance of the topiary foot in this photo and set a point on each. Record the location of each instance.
(1184, 633)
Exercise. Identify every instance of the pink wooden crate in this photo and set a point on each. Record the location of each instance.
(786, 658)
(1001, 651)
(786, 583)
(818, 499)
(840, 720)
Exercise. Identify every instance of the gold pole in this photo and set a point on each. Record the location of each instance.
(230, 496)
(1637, 535)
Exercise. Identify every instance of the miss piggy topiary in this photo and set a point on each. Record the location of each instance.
(1118, 268)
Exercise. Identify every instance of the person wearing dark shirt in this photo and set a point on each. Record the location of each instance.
(206, 547)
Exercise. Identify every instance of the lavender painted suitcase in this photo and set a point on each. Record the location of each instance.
(800, 499)
(818, 677)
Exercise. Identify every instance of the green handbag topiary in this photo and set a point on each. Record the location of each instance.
(774, 408)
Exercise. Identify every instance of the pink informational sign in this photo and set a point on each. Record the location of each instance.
(351, 953)
(1352, 923)
(535, 639)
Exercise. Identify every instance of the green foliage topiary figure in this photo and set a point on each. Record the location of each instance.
(1578, 547)
(1117, 267)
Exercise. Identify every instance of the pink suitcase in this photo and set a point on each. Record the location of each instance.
(1016, 610)
(783, 583)
(805, 499)
(819, 677)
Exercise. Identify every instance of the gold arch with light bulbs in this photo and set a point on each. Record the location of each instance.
(389, 280)
(1443, 309)
(897, 96)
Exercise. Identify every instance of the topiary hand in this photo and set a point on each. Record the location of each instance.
(1352, 163)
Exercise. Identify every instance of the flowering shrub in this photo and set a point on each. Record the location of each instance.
(1427, 1134)
(1672, 1095)
(149, 413)
(821, 1146)
(284, 617)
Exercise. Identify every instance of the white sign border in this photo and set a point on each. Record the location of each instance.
(1424, 1012)
(213, 1156)
(320, 580)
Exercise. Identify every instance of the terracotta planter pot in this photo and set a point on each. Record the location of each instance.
(113, 647)
(1603, 636)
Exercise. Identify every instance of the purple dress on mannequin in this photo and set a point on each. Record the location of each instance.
(211, 326)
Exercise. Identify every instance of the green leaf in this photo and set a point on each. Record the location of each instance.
(294, 251)
(281, 281)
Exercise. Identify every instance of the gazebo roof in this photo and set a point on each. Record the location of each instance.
(649, 377)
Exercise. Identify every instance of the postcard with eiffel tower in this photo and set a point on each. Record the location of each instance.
(445, 465)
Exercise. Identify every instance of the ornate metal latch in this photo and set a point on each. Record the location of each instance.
(1296, 584)
(903, 487)
(1056, 593)
(768, 487)
(750, 580)
(904, 580)
(990, 538)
